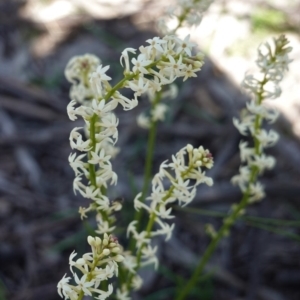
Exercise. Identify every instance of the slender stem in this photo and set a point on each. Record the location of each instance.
(152, 220)
(182, 17)
(118, 86)
(148, 166)
(149, 157)
(231, 219)
(93, 142)
(213, 244)
(80, 296)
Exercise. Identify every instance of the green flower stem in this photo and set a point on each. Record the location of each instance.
(151, 223)
(182, 17)
(235, 214)
(149, 159)
(80, 296)
(223, 231)
(104, 284)
(93, 144)
(118, 86)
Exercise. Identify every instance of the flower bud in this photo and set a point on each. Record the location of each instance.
(106, 252)
(91, 241)
(118, 258)
(189, 148)
(115, 250)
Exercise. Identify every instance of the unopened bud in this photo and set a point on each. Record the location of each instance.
(106, 252)
(91, 240)
(189, 148)
(118, 258)
(115, 250)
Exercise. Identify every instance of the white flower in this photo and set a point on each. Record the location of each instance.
(141, 239)
(242, 178)
(79, 66)
(139, 86)
(83, 284)
(178, 164)
(245, 152)
(99, 157)
(241, 127)
(189, 72)
(76, 141)
(125, 102)
(78, 185)
(267, 139)
(165, 229)
(71, 111)
(143, 121)
(63, 287)
(122, 295)
(98, 80)
(185, 45)
(159, 111)
(71, 262)
(129, 262)
(90, 192)
(263, 162)
(163, 213)
(271, 115)
(171, 92)
(101, 73)
(137, 282)
(110, 122)
(256, 192)
(138, 204)
(104, 227)
(76, 163)
(173, 67)
(156, 43)
(125, 57)
(156, 195)
(103, 295)
(101, 108)
(140, 63)
(131, 228)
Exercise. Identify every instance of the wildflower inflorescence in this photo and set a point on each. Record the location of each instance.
(93, 99)
(185, 13)
(96, 266)
(184, 174)
(152, 69)
(272, 63)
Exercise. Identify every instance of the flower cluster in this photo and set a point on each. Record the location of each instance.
(93, 168)
(96, 266)
(78, 72)
(160, 63)
(174, 57)
(185, 12)
(184, 173)
(272, 62)
(94, 99)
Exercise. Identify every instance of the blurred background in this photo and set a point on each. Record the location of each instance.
(39, 223)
